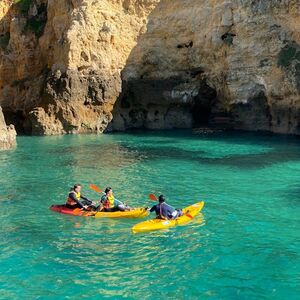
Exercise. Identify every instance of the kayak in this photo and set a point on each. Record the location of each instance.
(135, 213)
(189, 213)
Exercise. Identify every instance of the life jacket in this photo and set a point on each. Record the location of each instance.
(109, 202)
(160, 214)
(71, 201)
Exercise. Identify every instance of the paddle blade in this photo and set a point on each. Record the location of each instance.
(77, 212)
(95, 188)
(152, 197)
(189, 216)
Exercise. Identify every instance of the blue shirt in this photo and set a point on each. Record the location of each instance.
(163, 210)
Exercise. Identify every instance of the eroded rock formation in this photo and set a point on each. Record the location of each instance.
(7, 134)
(61, 60)
(226, 63)
(74, 66)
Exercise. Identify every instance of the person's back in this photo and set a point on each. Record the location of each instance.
(164, 210)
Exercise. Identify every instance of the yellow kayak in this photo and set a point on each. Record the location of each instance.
(189, 213)
(135, 213)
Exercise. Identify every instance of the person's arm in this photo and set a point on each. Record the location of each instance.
(86, 199)
(72, 196)
(152, 208)
(103, 199)
(118, 202)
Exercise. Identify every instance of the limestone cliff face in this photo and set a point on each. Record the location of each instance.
(60, 68)
(7, 134)
(74, 66)
(227, 63)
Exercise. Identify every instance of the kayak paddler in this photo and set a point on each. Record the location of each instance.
(110, 203)
(164, 210)
(77, 200)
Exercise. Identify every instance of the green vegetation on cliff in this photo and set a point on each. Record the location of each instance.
(23, 5)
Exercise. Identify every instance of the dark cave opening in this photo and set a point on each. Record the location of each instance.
(203, 104)
(144, 103)
(18, 119)
(201, 115)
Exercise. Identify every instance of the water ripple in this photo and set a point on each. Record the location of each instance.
(245, 245)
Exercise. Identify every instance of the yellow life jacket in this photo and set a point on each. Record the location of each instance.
(109, 202)
(71, 201)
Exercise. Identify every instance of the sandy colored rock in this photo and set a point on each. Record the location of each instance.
(219, 63)
(7, 134)
(62, 75)
(74, 66)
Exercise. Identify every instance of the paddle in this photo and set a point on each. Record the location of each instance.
(96, 188)
(154, 198)
(78, 211)
(188, 215)
(86, 213)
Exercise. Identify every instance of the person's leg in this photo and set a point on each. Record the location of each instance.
(72, 206)
(124, 207)
(177, 213)
(180, 213)
(121, 207)
(99, 207)
(90, 206)
(111, 209)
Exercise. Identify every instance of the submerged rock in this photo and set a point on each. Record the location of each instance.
(7, 134)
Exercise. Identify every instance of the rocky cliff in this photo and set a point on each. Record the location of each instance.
(7, 134)
(61, 60)
(74, 66)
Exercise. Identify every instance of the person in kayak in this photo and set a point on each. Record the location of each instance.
(77, 200)
(110, 203)
(164, 210)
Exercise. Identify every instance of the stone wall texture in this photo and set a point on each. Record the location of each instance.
(75, 66)
(7, 134)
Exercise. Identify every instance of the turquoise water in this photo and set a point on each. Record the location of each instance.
(245, 245)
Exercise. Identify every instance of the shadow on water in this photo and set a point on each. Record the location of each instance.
(227, 136)
(252, 161)
(275, 152)
(241, 216)
(292, 193)
(157, 145)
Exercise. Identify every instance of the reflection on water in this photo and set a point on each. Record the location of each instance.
(245, 244)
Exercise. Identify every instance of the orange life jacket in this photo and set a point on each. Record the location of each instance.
(70, 201)
(109, 202)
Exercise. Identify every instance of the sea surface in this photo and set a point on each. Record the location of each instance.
(244, 245)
